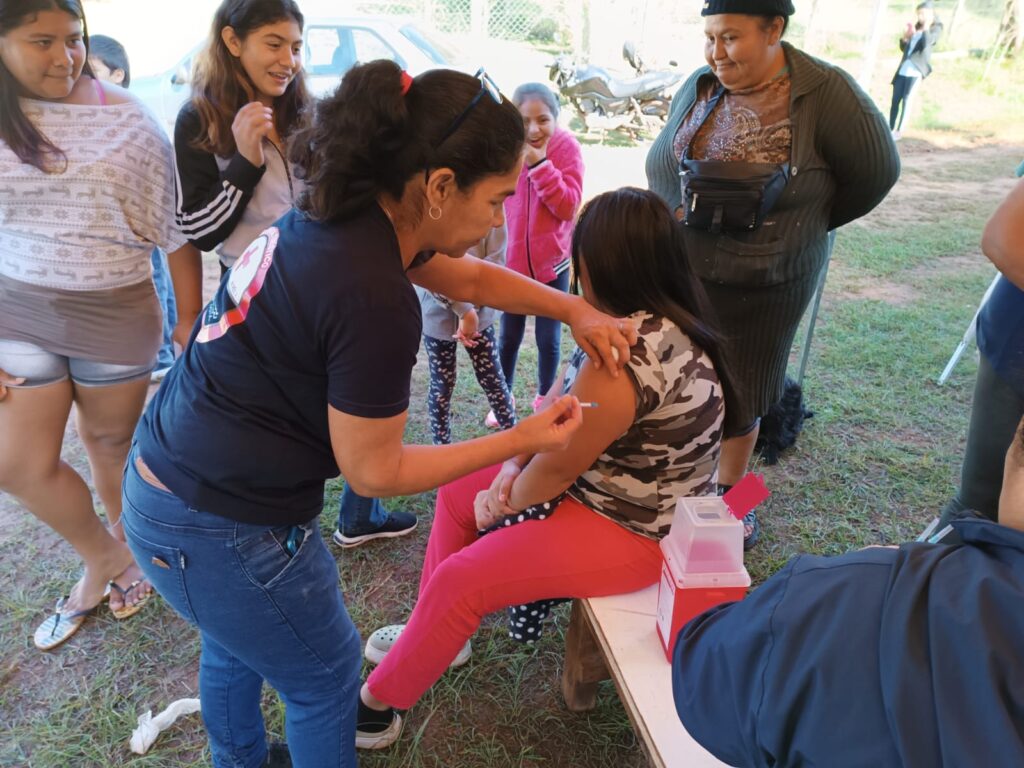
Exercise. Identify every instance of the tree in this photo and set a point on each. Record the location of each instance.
(1011, 29)
(958, 12)
(871, 46)
(810, 44)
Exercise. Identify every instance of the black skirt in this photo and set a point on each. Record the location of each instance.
(758, 324)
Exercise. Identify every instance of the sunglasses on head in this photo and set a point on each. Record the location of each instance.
(487, 87)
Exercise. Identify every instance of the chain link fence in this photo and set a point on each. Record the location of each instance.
(523, 20)
(672, 30)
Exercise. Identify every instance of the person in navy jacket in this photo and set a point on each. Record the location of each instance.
(887, 656)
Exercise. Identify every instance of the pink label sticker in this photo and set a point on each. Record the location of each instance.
(746, 494)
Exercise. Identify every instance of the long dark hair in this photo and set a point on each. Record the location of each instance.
(220, 86)
(636, 260)
(368, 137)
(16, 130)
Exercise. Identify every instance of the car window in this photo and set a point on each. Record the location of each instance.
(369, 46)
(182, 74)
(435, 50)
(328, 50)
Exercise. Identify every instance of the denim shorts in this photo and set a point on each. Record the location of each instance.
(41, 368)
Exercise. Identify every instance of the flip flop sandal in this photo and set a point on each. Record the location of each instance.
(59, 627)
(127, 611)
(755, 531)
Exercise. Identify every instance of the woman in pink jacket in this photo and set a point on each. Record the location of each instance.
(540, 217)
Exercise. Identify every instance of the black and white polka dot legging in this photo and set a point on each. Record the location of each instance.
(484, 356)
(526, 621)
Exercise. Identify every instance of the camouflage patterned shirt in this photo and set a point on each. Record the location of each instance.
(672, 448)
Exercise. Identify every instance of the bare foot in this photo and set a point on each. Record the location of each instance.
(136, 588)
(87, 593)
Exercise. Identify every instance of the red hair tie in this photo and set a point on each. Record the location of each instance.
(406, 82)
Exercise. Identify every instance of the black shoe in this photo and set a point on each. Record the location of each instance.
(375, 729)
(397, 524)
(278, 756)
(749, 541)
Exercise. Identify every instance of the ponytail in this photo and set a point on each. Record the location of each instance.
(377, 131)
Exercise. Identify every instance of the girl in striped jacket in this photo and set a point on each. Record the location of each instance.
(248, 95)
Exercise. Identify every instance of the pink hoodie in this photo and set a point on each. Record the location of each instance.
(541, 213)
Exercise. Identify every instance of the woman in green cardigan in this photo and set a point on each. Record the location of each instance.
(760, 100)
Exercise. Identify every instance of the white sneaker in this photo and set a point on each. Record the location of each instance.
(380, 739)
(384, 639)
(491, 421)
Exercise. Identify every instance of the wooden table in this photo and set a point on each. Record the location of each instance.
(615, 637)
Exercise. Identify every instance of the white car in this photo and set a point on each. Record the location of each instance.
(332, 47)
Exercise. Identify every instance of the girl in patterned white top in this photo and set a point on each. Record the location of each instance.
(86, 192)
(655, 436)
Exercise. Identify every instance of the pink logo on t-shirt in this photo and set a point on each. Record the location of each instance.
(244, 281)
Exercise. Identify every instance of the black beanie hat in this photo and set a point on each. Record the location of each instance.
(750, 7)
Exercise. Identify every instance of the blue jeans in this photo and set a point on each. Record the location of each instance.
(262, 615)
(549, 342)
(359, 515)
(165, 293)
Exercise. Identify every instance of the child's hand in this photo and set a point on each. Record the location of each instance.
(533, 155)
(467, 332)
(501, 488)
(485, 515)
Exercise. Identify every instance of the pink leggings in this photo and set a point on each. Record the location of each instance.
(573, 553)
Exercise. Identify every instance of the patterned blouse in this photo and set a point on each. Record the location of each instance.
(93, 226)
(750, 125)
(672, 447)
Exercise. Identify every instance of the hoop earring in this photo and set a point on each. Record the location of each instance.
(430, 213)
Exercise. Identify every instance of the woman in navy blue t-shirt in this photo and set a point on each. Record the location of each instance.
(301, 365)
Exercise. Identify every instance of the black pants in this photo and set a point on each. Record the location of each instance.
(995, 413)
(901, 88)
(484, 356)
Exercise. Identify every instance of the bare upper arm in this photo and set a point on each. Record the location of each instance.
(1003, 238)
(367, 450)
(602, 426)
(455, 279)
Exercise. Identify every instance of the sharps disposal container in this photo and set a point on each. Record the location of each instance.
(703, 564)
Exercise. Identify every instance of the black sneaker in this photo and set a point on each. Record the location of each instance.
(375, 729)
(397, 524)
(278, 756)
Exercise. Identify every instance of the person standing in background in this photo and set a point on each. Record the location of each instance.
(762, 102)
(88, 180)
(917, 43)
(109, 62)
(446, 324)
(540, 218)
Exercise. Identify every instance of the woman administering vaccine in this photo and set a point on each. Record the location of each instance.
(301, 366)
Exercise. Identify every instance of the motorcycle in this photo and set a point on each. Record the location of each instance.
(605, 102)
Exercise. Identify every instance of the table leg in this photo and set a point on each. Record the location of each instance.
(584, 664)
